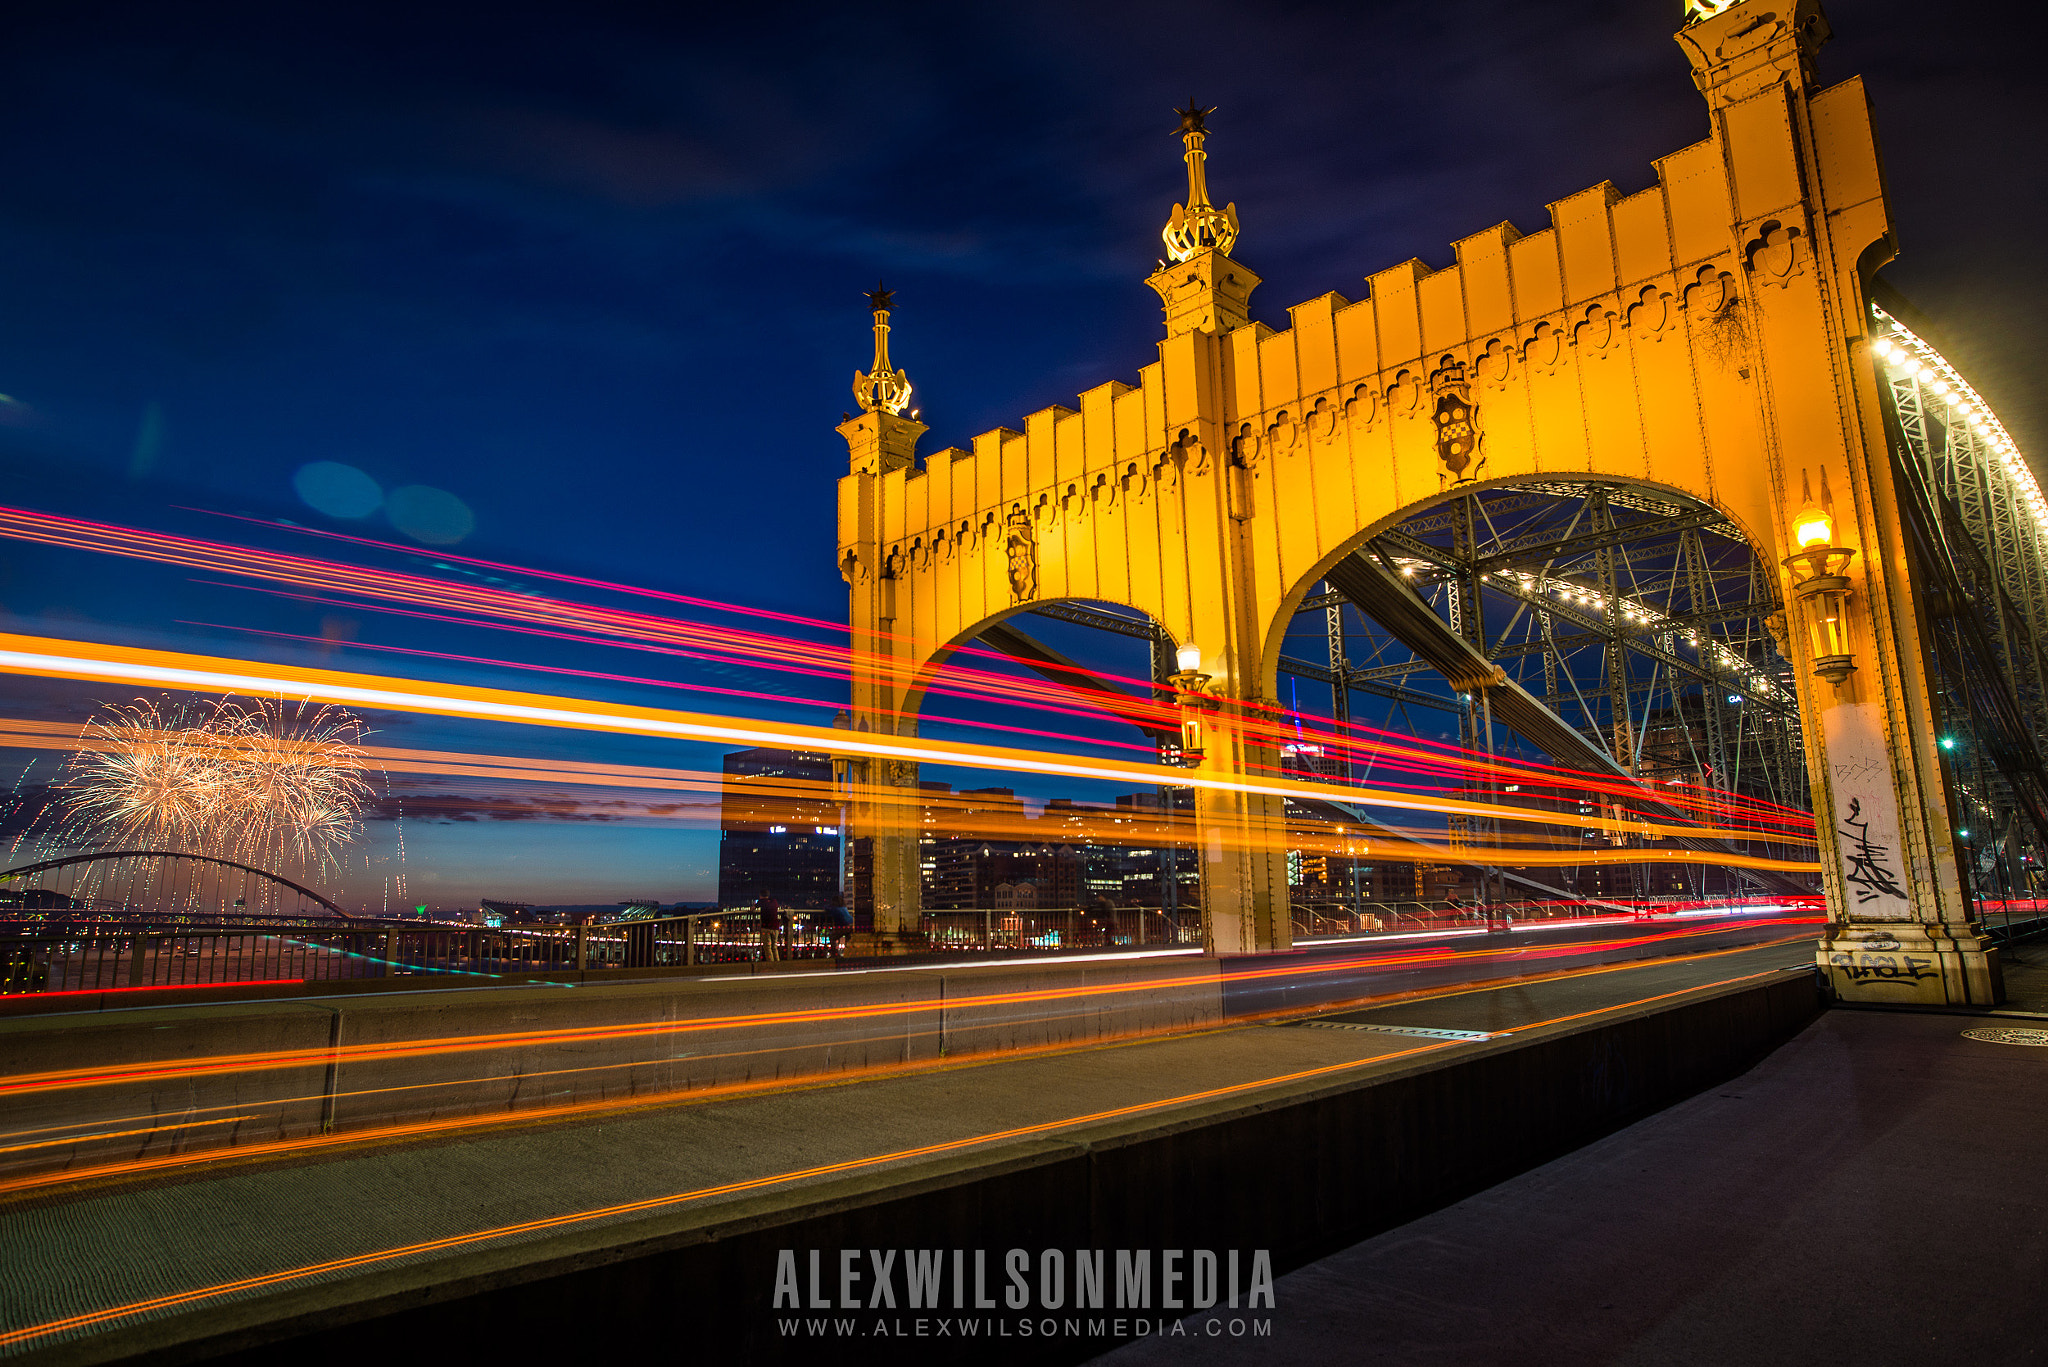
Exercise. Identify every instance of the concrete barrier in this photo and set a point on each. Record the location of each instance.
(1297, 1171)
(356, 1062)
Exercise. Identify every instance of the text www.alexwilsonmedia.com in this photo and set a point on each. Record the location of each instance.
(1088, 1293)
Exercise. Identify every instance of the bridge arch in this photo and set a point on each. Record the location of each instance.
(931, 659)
(888, 799)
(1607, 626)
(175, 884)
(1291, 600)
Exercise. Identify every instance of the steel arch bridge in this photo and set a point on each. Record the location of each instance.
(156, 883)
(1716, 345)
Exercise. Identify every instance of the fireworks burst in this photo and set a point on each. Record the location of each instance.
(263, 783)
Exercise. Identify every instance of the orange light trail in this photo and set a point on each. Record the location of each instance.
(1429, 764)
(629, 629)
(752, 695)
(356, 1262)
(719, 1091)
(56, 658)
(786, 800)
(68, 1079)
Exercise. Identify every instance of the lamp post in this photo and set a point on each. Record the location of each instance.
(1193, 697)
(1819, 582)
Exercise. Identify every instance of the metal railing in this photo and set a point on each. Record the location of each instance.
(1314, 920)
(89, 955)
(2009, 919)
(1017, 928)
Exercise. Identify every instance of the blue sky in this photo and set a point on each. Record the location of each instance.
(594, 270)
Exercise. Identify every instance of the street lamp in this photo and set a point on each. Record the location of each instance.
(1819, 582)
(1193, 698)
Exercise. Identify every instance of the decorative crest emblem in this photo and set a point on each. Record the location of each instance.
(885, 389)
(1020, 544)
(1198, 225)
(1457, 423)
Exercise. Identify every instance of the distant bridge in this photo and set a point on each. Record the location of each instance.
(192, 882)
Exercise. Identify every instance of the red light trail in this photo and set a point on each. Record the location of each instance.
(54, 658)
(503, 609)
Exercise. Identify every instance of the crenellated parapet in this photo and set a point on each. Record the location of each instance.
(1622, 337)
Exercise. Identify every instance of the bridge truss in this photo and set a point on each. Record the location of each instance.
(1630, 632)
(1979, 525)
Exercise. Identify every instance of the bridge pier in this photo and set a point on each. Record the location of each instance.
(887, 877)
(1242, 849)
(1856, 584)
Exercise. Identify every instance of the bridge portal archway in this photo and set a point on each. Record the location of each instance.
(1710, 334)
(1026, 653)
(1608, 628)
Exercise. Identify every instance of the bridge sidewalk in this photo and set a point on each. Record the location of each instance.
(1874, 1192)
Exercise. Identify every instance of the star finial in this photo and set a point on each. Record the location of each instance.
(1191, 118)
(1198, 225)
(885, 388)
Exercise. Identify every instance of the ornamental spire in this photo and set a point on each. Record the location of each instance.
(1198, 225)
(885, 389)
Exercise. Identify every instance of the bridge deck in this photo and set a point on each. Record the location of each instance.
(79, 1252)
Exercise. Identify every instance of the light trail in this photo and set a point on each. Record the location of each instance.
(752, 695)
(362, 1260)
(752, 802)
(527, 610)
(1346, 733)
(157, 987)
(55, 658)
(783, 801)
(446, 557)
(718, 1091)
(69, 1079)
(620, 628)
(121, 1134)
(1431, 764)
(357, 1262)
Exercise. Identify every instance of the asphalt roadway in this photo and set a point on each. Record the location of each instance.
(1873, 1193)
(85, 1267)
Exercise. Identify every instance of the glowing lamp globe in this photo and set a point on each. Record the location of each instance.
(1813, 527)
(1189, 658)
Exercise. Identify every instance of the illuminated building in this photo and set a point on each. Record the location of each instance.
(772, 843)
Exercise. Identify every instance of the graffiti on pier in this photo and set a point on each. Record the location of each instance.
(1868, 871)
(1904, 969)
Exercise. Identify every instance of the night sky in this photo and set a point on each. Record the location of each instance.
(577, 287)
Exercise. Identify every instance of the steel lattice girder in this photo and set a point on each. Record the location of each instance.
(1738, 662)
(1978, 519)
